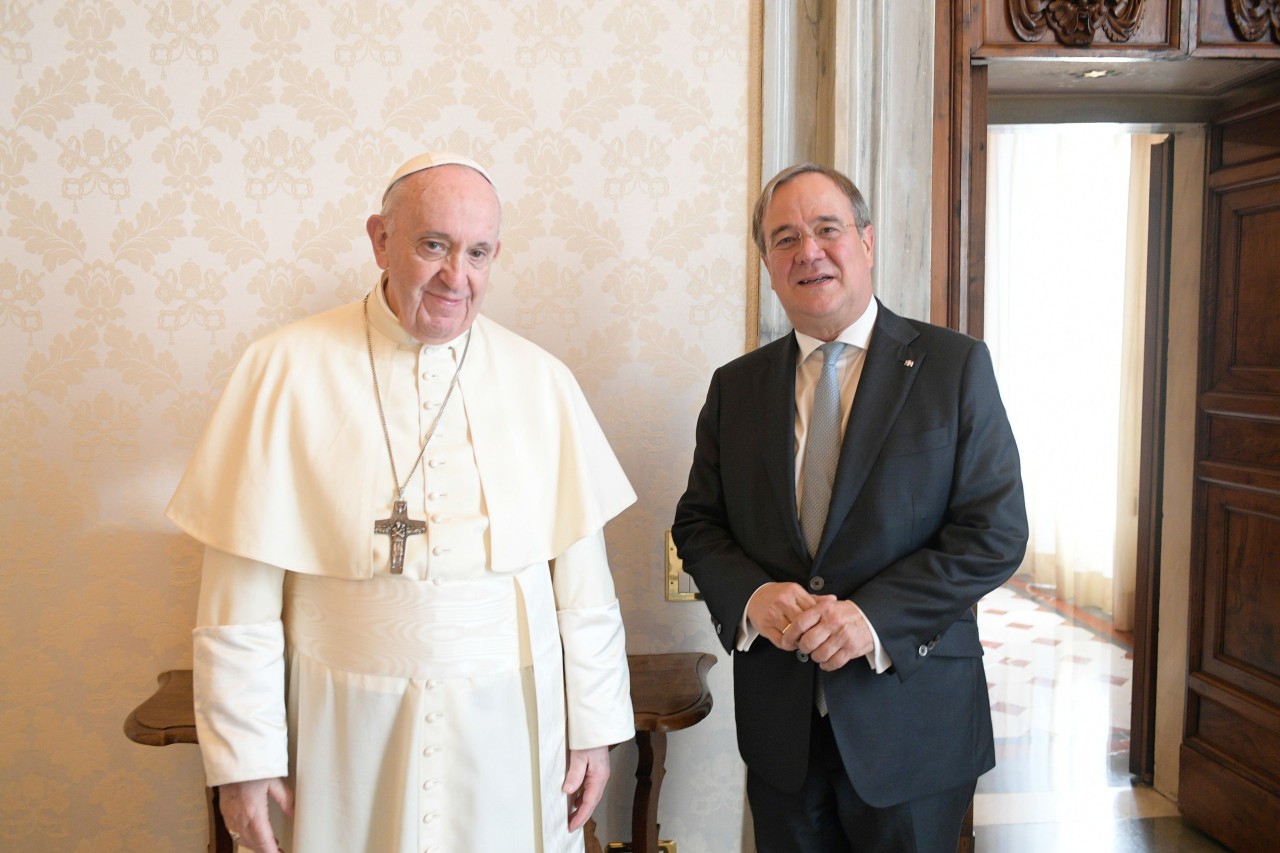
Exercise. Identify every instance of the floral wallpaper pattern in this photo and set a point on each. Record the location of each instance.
(179, 176)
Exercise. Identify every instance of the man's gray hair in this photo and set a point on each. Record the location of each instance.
(861, 210)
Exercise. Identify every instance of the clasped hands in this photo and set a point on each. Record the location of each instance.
(831, 631)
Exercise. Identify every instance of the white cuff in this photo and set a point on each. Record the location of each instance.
(747, 632)
(238, 688)
(878, 659)
(597, 679)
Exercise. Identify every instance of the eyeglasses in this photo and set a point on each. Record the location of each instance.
(788, 242)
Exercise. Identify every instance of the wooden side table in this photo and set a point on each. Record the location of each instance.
(168, 716)
(668, 691)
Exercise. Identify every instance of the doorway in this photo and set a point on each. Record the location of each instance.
(1064, 317)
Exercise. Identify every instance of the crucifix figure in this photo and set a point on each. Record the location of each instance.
(399, 527)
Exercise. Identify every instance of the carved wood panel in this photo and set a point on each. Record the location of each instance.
(1164, 29)
(1071, 27)
(1076, 22)
(1238, 28)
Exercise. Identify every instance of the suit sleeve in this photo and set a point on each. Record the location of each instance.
(725, 575)
(981, 541)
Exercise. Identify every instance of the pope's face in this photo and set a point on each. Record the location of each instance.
(819, 265)
(436, 243)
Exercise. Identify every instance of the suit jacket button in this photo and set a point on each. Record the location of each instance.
(717, 624)
(802, 657)
(922, 651)
(816, 583)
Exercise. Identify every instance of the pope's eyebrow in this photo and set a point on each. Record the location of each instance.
(442, 237)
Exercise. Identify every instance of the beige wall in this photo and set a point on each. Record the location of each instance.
(180, 177)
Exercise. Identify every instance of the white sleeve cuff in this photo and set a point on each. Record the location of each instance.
(747, 632)
(597, 679)
(878, 659)
(238, 688)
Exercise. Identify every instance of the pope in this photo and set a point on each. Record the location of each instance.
(407, 636)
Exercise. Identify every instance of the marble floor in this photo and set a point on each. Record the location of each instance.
(1060, 683)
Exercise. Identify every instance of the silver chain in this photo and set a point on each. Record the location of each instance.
(377, 394)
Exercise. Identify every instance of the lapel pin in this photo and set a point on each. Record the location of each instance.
(911, 362)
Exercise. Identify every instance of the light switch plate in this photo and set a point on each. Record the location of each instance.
(679, 586)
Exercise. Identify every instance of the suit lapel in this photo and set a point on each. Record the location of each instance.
(888, 373)
(776, 412)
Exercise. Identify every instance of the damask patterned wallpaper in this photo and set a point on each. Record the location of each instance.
(180, 176)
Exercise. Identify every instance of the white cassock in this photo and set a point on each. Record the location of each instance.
(426, 711)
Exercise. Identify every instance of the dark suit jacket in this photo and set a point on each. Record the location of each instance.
(927, 516)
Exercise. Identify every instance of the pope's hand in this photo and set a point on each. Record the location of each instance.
(584, 782)
(245, 810)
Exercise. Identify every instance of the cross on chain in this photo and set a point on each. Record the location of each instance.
(399, 527)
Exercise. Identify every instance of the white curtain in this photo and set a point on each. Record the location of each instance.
(1065, 287)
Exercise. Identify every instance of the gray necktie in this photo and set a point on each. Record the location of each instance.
(821, 448)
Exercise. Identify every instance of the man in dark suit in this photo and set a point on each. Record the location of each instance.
(841, 542)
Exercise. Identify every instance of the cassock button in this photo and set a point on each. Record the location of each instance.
(802, 657)
(816, 583)
(922, 651)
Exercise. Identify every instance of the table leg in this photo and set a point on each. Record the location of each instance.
(589, 836)
(219, 838)
(650, 768)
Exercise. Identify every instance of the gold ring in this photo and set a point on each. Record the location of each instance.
(784, 630)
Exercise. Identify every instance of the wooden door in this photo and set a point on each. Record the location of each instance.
(1155, 354)
(1229, 776)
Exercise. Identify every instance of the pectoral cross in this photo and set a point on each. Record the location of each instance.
(399, 527)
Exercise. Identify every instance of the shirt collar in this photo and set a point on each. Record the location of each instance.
(857, 334)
